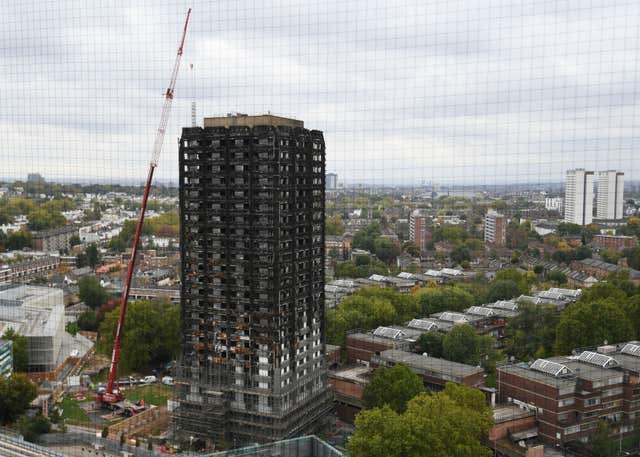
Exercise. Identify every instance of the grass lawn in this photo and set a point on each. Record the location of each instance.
(153, 394)
(72, 410)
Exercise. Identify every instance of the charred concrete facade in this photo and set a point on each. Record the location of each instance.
(253, 363)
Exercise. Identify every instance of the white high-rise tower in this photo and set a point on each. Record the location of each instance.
(578, 198)
(610, 195)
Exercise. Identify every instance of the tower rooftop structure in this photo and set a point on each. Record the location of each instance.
(244, 120)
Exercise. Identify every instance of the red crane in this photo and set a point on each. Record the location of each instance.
(112, 393)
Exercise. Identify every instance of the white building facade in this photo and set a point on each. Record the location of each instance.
(610, 202)
(578, 200)
(553, 204)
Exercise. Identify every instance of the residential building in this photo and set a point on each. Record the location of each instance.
(6, 358)
(362, 346)
(252, 367)
(495, 228)
(419, 231)
(54, 240)
(614, 242)
(601, 270)
(332, 181)
(28, 269)
(578, 199)
(553, 204)
(435, 372)
(610, 202)
(570, 395)
(348, 386)
(38, 314)
(337, 247)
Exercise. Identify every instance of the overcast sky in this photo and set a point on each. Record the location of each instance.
(406, 91)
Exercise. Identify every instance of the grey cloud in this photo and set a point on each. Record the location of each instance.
(405, 92)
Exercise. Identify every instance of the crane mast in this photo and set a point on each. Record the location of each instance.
(112, 393)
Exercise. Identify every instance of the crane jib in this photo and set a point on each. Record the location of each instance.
(110, 396)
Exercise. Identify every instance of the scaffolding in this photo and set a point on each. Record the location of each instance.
(252, 245)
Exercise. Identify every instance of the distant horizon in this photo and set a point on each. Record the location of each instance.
(443, 186)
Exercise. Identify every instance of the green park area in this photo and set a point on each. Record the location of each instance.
(71, 409)
(152, 394)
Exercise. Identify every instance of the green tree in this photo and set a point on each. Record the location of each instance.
(105, 432)
(91, 292)
(20, 350)
(632, 310)
(151, 334)
(334, 226)
(583, 252)
(633, 257)
(451, 233)
(430, 343)
(503, 289)
(567, 228)
(88, 321)
(443, 298)
(19, 240)
(592, 323)
(449, 423)
(42, 219)
(411, 248)
(600, 444)
(72, 328)
(363, 267)
(32, 427)
(346, 269)
(392, 387)
(366, 238)
(385, 249)
(460, 254)
(92, 255)
(602, 291)
(381, 432)
(16, 394)
(74, 240)
(464, 345)
(556, 276)
(366, 309)
(533, 328)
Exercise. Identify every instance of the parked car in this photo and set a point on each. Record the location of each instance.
(167, 381)
(149, 379)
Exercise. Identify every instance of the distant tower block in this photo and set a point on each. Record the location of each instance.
(332, 181)
(578, 198)
(610, 201)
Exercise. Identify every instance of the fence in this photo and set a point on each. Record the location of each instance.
(306, 446)
(93, 441)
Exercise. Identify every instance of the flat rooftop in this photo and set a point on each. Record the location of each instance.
(523, 370)
(31, 310)
(430, 365)
(357, 374)
(244, 120)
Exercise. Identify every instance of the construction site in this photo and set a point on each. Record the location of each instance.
(252, 367)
